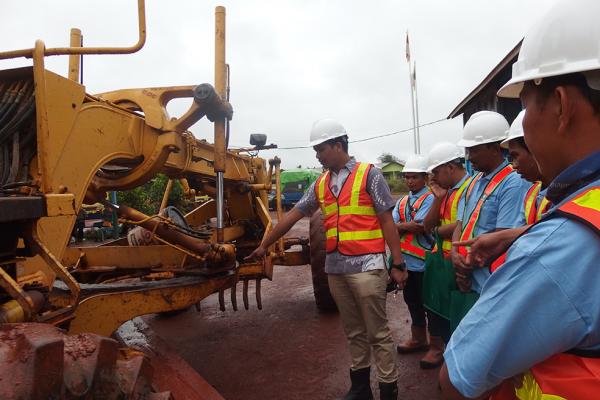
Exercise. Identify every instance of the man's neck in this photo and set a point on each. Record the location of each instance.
(413, 192)
(336, 168)
(494, 166)
(458, 176)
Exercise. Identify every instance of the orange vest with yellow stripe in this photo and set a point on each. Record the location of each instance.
(574, 375)
(449, 212)
(351, 224)
(468, 228)
(533, 214)
(408, 242)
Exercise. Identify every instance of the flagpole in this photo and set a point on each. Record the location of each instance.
(414, 77)
(412, 96)
(412, 103)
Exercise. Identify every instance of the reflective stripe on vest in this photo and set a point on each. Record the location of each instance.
(409, 243)
(350, 221)
(469, 228)
(449, 211)
(541, 209)
(530, 203)
(574, 375)
(562, 377)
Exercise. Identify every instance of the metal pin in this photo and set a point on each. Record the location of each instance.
(234, 297)
(245, 294)
(222, 300)
(258, 298)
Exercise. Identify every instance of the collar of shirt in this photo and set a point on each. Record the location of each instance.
(574, 178)
(487, 177)
(338, 179)
(414, 196)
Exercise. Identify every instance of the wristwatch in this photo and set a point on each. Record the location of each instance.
(401, 266)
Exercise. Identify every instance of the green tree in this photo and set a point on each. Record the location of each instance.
(387, 158)
(147, 198)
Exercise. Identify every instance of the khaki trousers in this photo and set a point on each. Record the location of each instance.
(360, 298)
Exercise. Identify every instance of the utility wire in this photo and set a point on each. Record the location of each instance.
(369, 138)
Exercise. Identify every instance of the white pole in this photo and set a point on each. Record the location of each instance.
(417, 111)
(412, 103)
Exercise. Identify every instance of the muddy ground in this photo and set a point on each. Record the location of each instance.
(286, 351)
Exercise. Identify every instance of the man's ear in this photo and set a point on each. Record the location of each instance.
(563, 107)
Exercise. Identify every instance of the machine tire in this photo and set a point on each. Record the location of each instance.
(46, 363)
(323, 298)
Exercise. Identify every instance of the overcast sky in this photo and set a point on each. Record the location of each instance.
(292, 61)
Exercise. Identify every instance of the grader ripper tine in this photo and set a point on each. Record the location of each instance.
(168, 262)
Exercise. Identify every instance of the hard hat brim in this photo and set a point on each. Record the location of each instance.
(414, 171)
(472, 143)
(323, 140)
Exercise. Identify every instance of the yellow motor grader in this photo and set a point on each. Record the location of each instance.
(61, 148)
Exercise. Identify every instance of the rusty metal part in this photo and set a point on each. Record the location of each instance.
(82, 259)
(165, 199)
(258, 294)
(33, 241)
(171, 372)
(75, 59)
(163, 230)
(234, 297)
(11, 311)
(104, 312)
(18, 294)
(44, 363)
(245, 293)
(90, 50)
(222, 300)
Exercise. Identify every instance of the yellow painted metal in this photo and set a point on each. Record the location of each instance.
(60, 204)
(75, 59)
(90, 50)
(202, 213)
(125, 257)
(82, 139)
(11, 312)
(165, 199)
(220, 87)
(104, 313)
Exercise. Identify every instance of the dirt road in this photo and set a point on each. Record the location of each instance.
(286, 351)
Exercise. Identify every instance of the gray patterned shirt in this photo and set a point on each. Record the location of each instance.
(378, 189)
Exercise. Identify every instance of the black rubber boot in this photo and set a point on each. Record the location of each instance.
(388, 391)
(361, 385)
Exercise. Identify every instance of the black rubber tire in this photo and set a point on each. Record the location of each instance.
(323, 298)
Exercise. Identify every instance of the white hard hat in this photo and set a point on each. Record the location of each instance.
(566, 40)
(442, 153)
(484, 127)
(325, 129)
(515, 131)
(415, 163)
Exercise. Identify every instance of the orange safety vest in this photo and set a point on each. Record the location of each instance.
(574, 375)
(530, 203)
(351, 224)
(468, 229)
(408, 242)
(449, 212)
(533, 214)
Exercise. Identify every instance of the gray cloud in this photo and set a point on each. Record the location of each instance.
(293, 62)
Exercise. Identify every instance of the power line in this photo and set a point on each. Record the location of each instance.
(369, 138)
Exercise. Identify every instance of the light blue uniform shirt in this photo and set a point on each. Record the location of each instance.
(502, 210)
(543, 301)
(414, 263)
